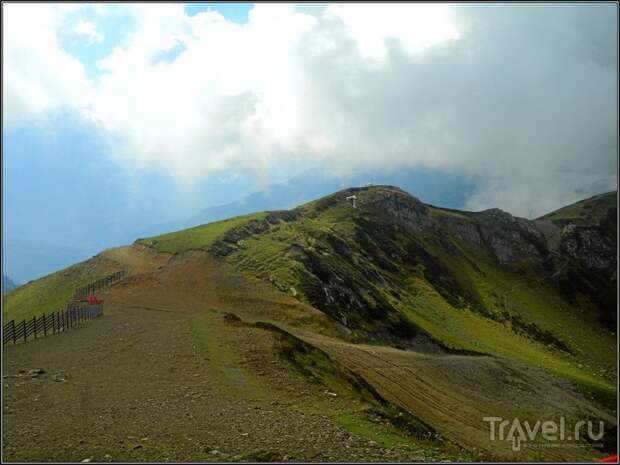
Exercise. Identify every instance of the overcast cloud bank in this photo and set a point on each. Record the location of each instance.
(522, 96)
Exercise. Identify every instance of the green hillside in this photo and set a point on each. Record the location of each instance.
(52, 292)
(590, 211)
(395, 271)
(197, 238)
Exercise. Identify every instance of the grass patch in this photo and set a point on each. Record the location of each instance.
(214, 338)
(585, 212)
(199, 237)
(52, 292)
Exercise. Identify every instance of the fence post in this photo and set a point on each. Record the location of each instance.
(44, 325)
(34, 320)
(13, 329)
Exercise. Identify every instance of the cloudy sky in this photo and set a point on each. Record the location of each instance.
(164, 109)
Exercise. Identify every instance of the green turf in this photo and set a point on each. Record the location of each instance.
(197, 238)
(48, 294)
(587, 211)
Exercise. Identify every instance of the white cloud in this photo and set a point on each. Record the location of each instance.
(87, 29)
(416, 25)
(38, 75)
(520, 96)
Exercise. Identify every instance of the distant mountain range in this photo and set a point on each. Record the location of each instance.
(7, 284)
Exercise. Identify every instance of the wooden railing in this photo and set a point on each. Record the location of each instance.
(73, 315)
(52, 323)
(95, 286)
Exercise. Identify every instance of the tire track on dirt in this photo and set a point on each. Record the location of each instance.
(450, 412)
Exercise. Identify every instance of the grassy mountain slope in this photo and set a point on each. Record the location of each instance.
(52, 292)
(586, 231)
(590, 211)
(421, 277)
(432, 318)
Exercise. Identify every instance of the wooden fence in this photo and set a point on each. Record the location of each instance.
(73, 315)
(95, 286)
(52, 323)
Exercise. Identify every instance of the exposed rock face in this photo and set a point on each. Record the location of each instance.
(464, 229)
(510, 238)
(584, 234)
(402, 207)
(591, 248)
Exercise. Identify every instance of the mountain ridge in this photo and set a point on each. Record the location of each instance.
(386, 286)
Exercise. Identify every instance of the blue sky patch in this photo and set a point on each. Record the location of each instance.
(168, 56)
(236, 12)
(116, 26)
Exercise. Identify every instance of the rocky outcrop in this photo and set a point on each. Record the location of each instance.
(510, 238)
(234, 239)
(588, 246)
(464, 229)
(506, 237)
(400, 206)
